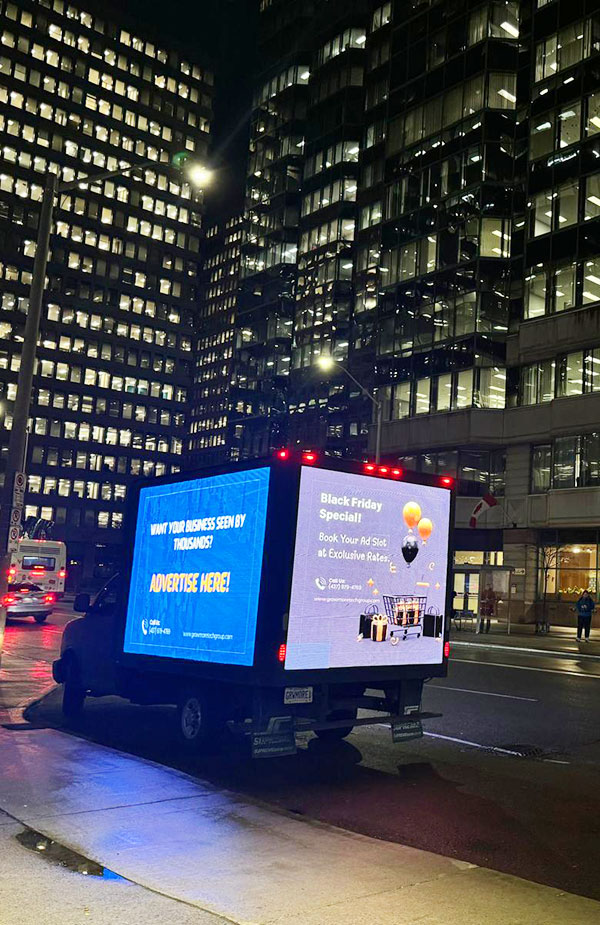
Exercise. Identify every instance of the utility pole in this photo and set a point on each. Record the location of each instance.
(17, 444)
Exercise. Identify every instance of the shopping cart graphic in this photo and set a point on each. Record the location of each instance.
(405, 614)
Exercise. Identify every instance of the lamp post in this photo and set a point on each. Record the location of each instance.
(12, 492)
(328, 363)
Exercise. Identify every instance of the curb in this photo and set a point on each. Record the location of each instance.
(493, 646)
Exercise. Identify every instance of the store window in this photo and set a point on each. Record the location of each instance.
(565, 571)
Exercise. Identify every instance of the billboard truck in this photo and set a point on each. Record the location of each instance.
(274, 598)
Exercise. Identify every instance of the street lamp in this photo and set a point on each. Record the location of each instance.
(15, 461)
(327, 363)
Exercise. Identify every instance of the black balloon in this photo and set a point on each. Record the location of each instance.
(410, 548)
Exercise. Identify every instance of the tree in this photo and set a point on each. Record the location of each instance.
(548, 559)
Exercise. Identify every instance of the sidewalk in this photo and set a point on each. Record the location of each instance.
(223, 855)
(560, 641)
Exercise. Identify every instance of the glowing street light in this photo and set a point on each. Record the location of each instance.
(199, 175)
(327, 363)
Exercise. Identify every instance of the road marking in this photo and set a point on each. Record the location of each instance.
(577, 674)
(489, 748)
(464, 690)
(553, 652)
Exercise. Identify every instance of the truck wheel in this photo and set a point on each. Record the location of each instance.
(194, 722)
(73, 697)
(40, 617)
(338, 732)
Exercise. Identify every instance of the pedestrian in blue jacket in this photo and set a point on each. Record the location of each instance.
(585, 607)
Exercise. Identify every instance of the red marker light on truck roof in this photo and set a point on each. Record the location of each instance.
(281, 652)
(283, 454)
(397, 472)
(446, 649)
(447, 481)
(309, 457)
(369, 467)
(383, 470)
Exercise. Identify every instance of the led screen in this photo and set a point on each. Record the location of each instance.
(196, 568)
(370, 572)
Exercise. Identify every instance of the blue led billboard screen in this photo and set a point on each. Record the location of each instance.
(196, 569)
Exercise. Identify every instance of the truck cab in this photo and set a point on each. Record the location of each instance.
(89, 648)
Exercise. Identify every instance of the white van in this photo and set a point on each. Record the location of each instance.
(43, 562)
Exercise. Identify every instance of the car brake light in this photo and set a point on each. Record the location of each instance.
(446, 649)
(48, 598)
(8, 599)
(281, 652)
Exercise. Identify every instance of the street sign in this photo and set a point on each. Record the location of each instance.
(15, 516)
(19, 490)
(13, 539)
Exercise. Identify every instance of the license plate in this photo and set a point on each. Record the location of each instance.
(298, 695)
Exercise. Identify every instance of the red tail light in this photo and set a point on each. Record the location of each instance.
(8, 599)
(62, 573)
(12, 571)
(281, 652)
(309, 457)
(446, 649)
(48, 598)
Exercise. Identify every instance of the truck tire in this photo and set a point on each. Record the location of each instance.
(196, 723)
(338, 732)
(73, 697)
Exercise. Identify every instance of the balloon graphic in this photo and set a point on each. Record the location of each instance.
(410, 548)
(425, 528)
(412, 514)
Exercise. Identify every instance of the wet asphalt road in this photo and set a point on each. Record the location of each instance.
(508, 777)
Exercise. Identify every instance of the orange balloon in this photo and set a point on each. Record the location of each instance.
(425, 528)
(412, 514)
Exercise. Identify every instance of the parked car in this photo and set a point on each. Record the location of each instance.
(24, 599)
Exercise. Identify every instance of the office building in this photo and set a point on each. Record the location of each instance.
(458, 279)
(82, 94)
(215, 342)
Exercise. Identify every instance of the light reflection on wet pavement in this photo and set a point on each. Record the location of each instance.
(26, 660)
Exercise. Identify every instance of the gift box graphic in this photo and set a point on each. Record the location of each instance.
(379, 625)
